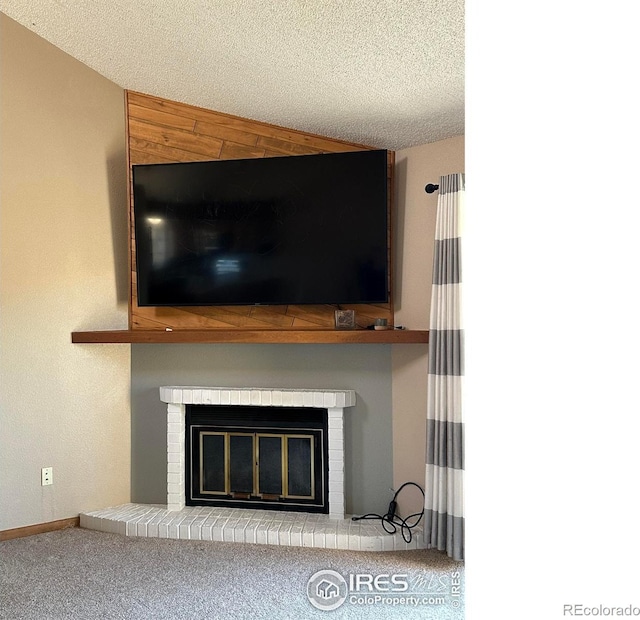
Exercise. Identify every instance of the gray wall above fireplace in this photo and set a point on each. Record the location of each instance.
(363, 368)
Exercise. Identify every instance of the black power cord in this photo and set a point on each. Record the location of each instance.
(391, 521)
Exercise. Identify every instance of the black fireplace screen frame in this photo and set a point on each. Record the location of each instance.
(260, 421)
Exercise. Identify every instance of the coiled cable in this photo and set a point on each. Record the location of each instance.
(391, 522)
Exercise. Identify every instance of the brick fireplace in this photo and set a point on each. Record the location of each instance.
(334, 530)
(333, 401)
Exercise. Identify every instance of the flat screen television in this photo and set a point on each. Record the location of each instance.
(303, 229)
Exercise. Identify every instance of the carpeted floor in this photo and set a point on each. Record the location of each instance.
(80, 574)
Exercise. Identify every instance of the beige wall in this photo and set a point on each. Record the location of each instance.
(63, 219)
(416, 218)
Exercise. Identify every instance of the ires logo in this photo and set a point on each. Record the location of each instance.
(327, 589)
(363, 582)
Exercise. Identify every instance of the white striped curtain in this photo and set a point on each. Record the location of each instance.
(444, 485)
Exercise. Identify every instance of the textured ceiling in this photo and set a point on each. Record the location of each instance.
(387, 73)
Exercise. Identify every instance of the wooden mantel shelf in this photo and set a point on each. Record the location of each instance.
(252, 336)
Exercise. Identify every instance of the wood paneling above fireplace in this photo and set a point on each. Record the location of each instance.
(162, 131)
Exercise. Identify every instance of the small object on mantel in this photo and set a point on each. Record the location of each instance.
(168, 329)
(345, 319)
(380, 324)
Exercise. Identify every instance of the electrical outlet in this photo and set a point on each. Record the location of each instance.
(46, 476)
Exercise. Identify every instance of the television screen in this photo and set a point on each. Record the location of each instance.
(304, 229)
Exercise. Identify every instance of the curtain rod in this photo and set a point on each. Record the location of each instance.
(430, 188)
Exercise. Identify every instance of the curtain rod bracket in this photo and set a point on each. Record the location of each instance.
(430, 188)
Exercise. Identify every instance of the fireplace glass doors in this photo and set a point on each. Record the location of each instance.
(271, 458)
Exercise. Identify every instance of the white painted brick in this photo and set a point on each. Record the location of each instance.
(331, 540)
(238, 531)
(217, 529)
(272, 535)
(307, 538)
(90, 523)
(131, 528)
(205, 531)
(175, 501)
(228, 532)
(255, 398)
(337, 505)
(284, 536)
(175, 409)
(319, 539)
(225, 397)
(184, 529)
(336, 434)
(175, 448)
(329, 400)
(250, 532)
(371, 543)
(261, 534)
(342, 540)
(109, 526)
(399, 544)
(175, 457)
